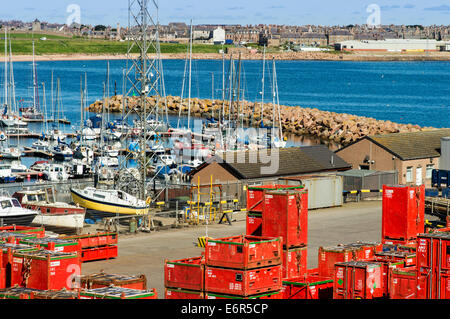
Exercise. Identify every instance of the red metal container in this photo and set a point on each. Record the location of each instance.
(295, 262)
(95, 240)
(433, 285)
(308, 287)
(54, 244)
(117, 293)
(54, 294)
(272, 295)
(286, 215)
(358, 280)
(365, 251)
(242, 282)
(94, 281)
(7, 251)
(408, 259)
(254, 224)
(17, 293)
(329, 256)
(403, 212)
(387, 268)
(243, 252)
(44, 269)
(15, 238)
(183, 294)
(39, 232)
(433, 251)
(255, 195)
(403, 284)
(2, 278)
(99, 253)
(185, 274)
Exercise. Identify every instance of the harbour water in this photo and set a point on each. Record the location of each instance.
(403, 92)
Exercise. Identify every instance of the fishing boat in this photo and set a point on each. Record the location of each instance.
(55, 216)
(62, 152)
(55, 172)
(109, 201)
(11, 212)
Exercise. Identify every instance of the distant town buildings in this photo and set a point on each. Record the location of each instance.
(262, 34)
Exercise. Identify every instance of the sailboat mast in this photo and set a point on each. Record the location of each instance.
(81, 108)
(11, 75)
(190, 77)
(6, 68)
(34, 81)
(44, 101)
(263, 85)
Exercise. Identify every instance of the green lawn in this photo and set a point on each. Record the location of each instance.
(22, 45)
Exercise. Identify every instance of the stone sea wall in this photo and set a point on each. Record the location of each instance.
(339, 128)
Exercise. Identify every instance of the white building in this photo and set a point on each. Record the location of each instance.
(219, 36)
(393, 45)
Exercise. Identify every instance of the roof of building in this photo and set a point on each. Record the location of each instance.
(411, 145)
(291, 161)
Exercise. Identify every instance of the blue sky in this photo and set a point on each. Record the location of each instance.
(292, 12)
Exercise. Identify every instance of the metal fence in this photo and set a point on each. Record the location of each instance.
(370, 181)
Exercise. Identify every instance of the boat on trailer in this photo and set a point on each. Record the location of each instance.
(12, 213)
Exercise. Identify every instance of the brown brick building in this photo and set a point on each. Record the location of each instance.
(412, 155)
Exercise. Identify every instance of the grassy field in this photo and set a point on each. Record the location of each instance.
(22, 45)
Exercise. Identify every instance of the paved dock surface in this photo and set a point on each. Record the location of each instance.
(145, 253)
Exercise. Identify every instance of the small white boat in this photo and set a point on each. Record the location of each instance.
(10, 152)
(106, 161)
(109, 201)
(13, 121)
(88, 134)
(41, 145)
(111, 151)
(11, 212)
(62, 152)
(18, 167)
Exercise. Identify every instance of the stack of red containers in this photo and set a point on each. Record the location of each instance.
(433, 266)
(97, 246)
(403, 214)
(247, 267)
(358, 280)
(185, 278)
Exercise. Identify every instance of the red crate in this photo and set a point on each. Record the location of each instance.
(308, 287)
(365, 251)
(409, 259)
(329, 256)
(403, 284)
(433, 285)
(17, 292)
(255, 195)
(45, 270)
(286, 215)
(403, 212)
(254, 224)
(243, 252)
(99, 253)
(295, 262)
(117, 293)
(433, 250)
(39, 232)
(54, 294)
(183, 294)
(358, 280)
(95, 240)
(15, 238)
(272, 295)
(185, 274)
(100, 280)
(2, 278)
(387, 268)
(54, 244)
(242, 282)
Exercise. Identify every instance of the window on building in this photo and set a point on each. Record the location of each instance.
(430, 168)
(409, 174)
(364, 167)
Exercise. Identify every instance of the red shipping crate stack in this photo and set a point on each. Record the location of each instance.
(44, 269)
(403, 214)
(358, 280)
(97, 246)
(243, 266)
(359, 251)
(101, 280)
(185, 278)
(433, 266)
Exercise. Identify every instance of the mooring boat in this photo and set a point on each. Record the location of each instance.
(54, 215)
(109, 201)
(11, 212)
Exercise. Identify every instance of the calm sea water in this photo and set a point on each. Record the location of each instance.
(404, 92)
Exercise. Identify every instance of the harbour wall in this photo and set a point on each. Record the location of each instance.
(335, 127)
